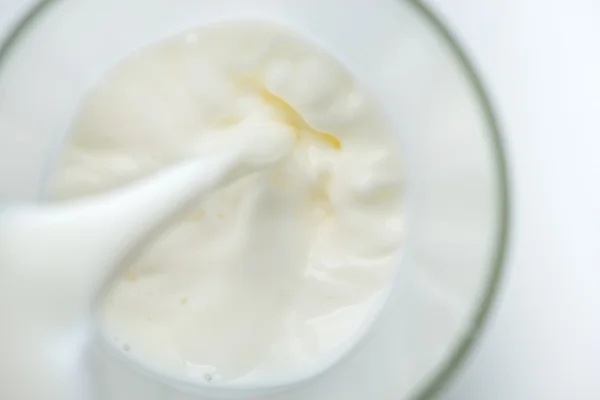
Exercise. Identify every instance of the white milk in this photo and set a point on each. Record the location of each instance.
(267, 281)
(55, 259)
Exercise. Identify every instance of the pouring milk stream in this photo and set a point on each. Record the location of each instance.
(55, 259)
(281, 228)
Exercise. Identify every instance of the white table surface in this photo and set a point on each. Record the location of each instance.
(541, 62)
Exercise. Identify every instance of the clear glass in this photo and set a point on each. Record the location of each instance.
(457, 201)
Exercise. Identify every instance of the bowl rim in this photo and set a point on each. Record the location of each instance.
(440, 377)
(452, 364)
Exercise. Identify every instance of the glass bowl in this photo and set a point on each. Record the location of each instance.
(457, 200)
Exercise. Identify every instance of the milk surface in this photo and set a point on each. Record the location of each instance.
(271, 278)
(55, 259)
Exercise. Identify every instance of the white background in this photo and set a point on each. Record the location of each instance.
(540, 60)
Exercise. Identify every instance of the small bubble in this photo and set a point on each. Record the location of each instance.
(132, 276)
(208, 377)
(198, 215)
(126, 347)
